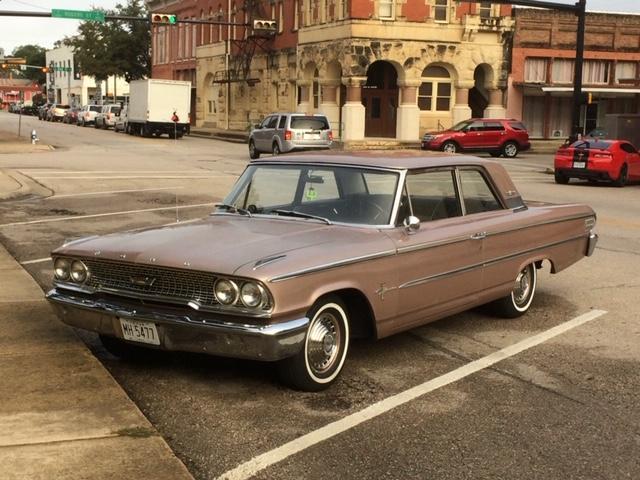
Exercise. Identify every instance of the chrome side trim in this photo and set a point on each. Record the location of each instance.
(548, 222)
(450, 273)
(327, 266)
(266, 261)
(439, 243)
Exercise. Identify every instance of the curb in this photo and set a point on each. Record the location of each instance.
(26, 187)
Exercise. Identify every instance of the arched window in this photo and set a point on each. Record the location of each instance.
(434, 94)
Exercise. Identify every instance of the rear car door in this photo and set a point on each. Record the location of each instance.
(492, 134)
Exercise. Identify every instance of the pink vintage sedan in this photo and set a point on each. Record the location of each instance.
(310, 251)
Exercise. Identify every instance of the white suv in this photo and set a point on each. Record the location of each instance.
(87, 115)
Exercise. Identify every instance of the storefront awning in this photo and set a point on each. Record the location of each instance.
(592, 89)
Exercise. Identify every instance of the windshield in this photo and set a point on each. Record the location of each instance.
(460, 126)
(334, 194)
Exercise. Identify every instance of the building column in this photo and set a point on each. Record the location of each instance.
(408, 115)
(329, 103)
(495, 109)
(353, 112)
(305, 96)
(461, 110)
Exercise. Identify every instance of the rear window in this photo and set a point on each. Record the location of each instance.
(517, 126)
(115, 110)
(95, 108)
(311, 123)
(598, 144)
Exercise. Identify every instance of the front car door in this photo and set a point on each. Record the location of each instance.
(440, 264)
(472, 138)
(260, 136)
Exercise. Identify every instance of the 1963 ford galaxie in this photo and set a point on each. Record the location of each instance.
(310, 251)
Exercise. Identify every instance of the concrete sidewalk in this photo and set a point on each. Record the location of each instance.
(62, 415)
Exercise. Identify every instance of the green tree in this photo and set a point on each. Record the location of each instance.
(117, 47)
(35, 55)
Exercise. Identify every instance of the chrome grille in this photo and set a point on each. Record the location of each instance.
(168, 283)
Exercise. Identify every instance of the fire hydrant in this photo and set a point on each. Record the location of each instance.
(34, 137)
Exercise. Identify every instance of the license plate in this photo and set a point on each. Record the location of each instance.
(579, 164)
(312, 136)
(138, 331)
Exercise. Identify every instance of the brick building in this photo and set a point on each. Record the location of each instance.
(377, 68)
(541, 79)
(17, 90)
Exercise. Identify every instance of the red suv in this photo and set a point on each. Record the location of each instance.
(494, 135)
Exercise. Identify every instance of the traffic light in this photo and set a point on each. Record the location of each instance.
(164, 18)
(45, 69)
(265, 26)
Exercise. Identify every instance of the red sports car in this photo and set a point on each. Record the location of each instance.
(595, 159)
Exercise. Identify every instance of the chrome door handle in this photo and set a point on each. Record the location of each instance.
(478, 236)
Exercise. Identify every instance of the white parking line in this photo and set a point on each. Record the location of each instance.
(259, 463)
(95, 215)
(128, 177)
(37, 260)
(111, 192)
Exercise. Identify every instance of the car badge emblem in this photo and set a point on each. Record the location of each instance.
(142, 281)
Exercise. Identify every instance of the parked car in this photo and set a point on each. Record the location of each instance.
(107, 116)
(43, 110)
(71, 116)
(87, 115)
(30, 110)
(594, 159)
(495, 136)
(56, 112)
(286, 132)
(310, 251)
(14, 107)
(121, 121)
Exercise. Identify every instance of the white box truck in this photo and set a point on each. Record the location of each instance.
(158, 106)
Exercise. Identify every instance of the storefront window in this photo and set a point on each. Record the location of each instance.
(625, 71)
(594, 71)
(562, 71)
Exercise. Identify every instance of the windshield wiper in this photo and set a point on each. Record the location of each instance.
(233, 209)
(295, 213)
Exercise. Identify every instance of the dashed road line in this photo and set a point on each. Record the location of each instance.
(263, 461)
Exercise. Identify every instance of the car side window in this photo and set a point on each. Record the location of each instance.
(476, 193)
(476, 127)
(283, 121)
(493, 126)
(273, 122)
(265, 122)
(433, 195)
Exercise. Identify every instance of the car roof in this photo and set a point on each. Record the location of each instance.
(393, 159)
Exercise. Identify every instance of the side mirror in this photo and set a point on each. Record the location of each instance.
(412, 224)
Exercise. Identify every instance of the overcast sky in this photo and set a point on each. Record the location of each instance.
(15, 31)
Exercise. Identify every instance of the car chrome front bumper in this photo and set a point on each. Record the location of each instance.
(180, 330)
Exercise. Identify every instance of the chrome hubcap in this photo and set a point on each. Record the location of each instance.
(522, 287)
(450, 148)
(323, 342)
(510, 150)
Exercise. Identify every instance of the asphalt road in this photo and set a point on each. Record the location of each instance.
(566, 408)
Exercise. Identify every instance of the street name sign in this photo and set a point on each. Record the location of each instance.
(91, 15)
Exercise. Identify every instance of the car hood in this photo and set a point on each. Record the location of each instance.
(254, 247)
(441, 132)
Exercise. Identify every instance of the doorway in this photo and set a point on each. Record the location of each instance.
(380, 100)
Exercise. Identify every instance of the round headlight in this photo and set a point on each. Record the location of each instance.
(78, 271)
(252, 295)
(226, 291)
(61, 268)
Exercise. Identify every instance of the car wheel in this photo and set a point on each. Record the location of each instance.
(623, 177)
(450, 147)
(520, 298)
(276, 149)
(323, 354)
(510, 150)
(124, 350)
(253, 153)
